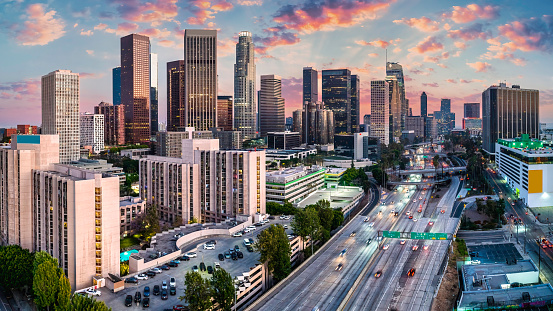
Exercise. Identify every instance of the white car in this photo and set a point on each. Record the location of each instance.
(158, 270)
(172, 282)
(285, 226)
(217, 266)
(209, 246)
(237, 234)
(141, 276)
(93, 292)
(371, 224)
(246, 230)
(282, 217)
(191, 255)
(252, 228)
(367, 219)
(386, 246)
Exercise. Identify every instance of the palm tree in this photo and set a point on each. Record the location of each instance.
(435, 163)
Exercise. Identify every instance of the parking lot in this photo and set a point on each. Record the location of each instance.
(209, 257)
(494, 253)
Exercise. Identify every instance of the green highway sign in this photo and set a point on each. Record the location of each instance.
(428, 236)
(391, 234)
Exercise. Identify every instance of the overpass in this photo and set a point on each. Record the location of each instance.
(425, 154)
(420, 183)
(432, 171)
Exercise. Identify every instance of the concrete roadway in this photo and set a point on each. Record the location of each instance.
(319, 284)
(394, 288)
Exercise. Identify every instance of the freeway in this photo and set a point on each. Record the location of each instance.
(394, 288)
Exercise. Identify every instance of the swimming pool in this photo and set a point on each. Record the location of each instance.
(125, 256)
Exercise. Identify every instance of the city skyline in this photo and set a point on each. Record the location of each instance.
(479, 45)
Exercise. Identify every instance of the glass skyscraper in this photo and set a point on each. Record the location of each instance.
(245, 108)
(355, 97)
(310, 85)
(116, 85)
(424, 105)
(153, 95)
(337, 97)
(395, 69)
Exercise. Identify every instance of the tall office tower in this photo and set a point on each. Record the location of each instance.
(135, 87)
(431, 127)
(337, 97)
(355, 98)
(367, 119)
(395, 122)
(424, 104)
(317, 124)
(445, 105)
(380, 111)
(154, 127)
(58, 208)
(472, 110)
(271, 105)
(310, 85)
(509, 113)
(116, 85)
(297, 123)
(60, 111)
(225, 111)
(245, 108)
(289, 123)
(200, 78)
(175, 96)
(92, 131)
(395, 69)
(114, 123)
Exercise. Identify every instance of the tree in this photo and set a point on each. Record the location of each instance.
(274, 247)
(326, 214)
(306, 223)
(16, 265)
(338, 219)
(49, 285)
(222, 287)
(197, 293)
(84, 303)
(124, 268)
(194, 220)
(435, 162)
(152, 220)
(177, 222)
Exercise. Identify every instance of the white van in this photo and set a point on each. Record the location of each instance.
(247, 242)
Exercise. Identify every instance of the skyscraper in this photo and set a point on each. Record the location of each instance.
(175, 96)
(245, 108)
(472, 110)
(380, 111)
(200, 78)
(135, 87)
(116, 85)
(92, 131)
(310, 85)
(60, 111)
(114, 123)
(224, 112)
(471, 118)
(395, 69)
(445, 105)
(424, 104)
(355, 97)
(153, 95)
(337, 97)
(271, 105)
(396, 115)
(445, 118)
(314, 123)
(509, 113)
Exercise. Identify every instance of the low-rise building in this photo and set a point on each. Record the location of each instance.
(345, 162)
(341, 197)
(293, 184)
(101, 166)
(502, 299)
(283, 140)
(135, 154)
(499, 275)
(526, 165)
(131, 207)
(333, 175)
(285, 155)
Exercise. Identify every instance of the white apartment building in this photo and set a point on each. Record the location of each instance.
(92, 131)
(294, 184)
(207, 184)
(60, 111)
(380, 111)
(64, 210)
(527, 166)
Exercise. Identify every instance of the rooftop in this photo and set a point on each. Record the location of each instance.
(281, 151)
(494, 274)
(525, 144)
(338, 197)
(471, 300)
(292, 174)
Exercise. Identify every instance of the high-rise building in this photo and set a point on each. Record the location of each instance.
(297, 123)
(417, 125)
(116, 85)
(424, 104)
(337, 97)
(135, 87)
(445, 118)
(395, 108)
(380, 111)
(60, 111)
(92, 131)
(200, 78)
(225, 112)
(395, 69)
(271, 105)
(175, 96)
(445, 105)
(289, 123)
(310, 85)
(114, 123)
(355, 98)
(314, 123)
(61, 209)
(509, 113)
(431, 127)
(26, 129)
(245, 108)
(367, 119)
(472, 110)
(154, 126)
(283, 140)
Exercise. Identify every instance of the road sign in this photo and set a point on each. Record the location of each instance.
(391, 234)
(428, 236)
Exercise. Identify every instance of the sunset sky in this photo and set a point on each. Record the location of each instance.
(449, 49)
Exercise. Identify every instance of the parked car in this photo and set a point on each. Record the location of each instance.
(146, 302)
(180, 308)
(156, 270)
(237, 234)
(217, 266)
(150, 274)
(271, 217)
(164, 295)
(236, 248)
(234, 256)
(210, 269)
(221, 257)
(137, 297)
(195, 269)
(240, 254)
(172, 282)
(163, 285)
(258, 224)
(249, 248)
(209, 246)
(191, 255)
(132, 280)
(227, 255)
(176, 260)
(172, 291)
(173, 264)
(252, 228)
(156, 290)
(202, 266)
(147, 291)
(128, 301)
(252, 241)
(212, 242)
(185, 258)
(165, 267)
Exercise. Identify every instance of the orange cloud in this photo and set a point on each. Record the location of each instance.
(166, 43)
(451, 81)
(225, 47)
(378, 43)
(41, 27)
(429, 44)
(372, 55)
(471, 12)
(100, 26)
(530, 34)
(480, 66)
(423, 24)
(155, 33)
(328, 14)
(122, 29)
(204, 10)
(504, 51)
(471, 33)
(249, 2)
(86, 33)
(460, 45)
(155, 11)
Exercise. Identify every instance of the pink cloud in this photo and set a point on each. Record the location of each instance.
(460, 45)
(480, 66)
(41, 27)
(249, 2)
(451, 81)
(429, 44)
(166, 43)
(100, 26)
(123, 29)
(27, 90)
(504, 51)
(470, 33)
(225, 47)
(378, 43)
(86, 33)
(423, 24)
(532, 34)
(471, 12)
(275, 39)
(155, 33)
(434, 84)
(372, 55)
(88, 75)
(154, 11)
(204, 10)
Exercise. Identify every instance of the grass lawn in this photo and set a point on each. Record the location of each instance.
(129, 241)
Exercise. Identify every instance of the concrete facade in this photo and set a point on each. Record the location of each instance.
(114, 123)
(293, 184)
(92, 131)
(131, 207)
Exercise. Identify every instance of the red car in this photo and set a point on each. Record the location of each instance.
(180, 308)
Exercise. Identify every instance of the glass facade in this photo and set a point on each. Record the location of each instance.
(337, 97)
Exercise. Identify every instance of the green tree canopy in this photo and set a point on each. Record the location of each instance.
(338, 219)
(197, 293)
(222, 287)
(84, 303)
(274, 247)
(16, 265)
(49, 286)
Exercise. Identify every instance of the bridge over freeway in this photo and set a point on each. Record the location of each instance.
(431, 171)
(419, 183)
